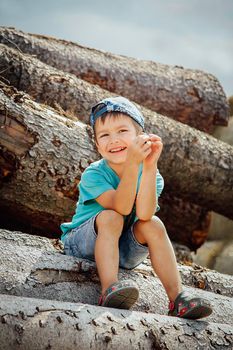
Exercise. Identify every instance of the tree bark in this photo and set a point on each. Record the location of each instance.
(36, 272)
(192, 275)
(196, 276)
(190, 96)
(48, 324)
(195, 165)
(42, 158)
(49, 85)
(186, 223)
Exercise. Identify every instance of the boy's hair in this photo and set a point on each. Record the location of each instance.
(117, 115)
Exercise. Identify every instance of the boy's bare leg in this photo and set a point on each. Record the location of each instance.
(109, 226)
(153, 233)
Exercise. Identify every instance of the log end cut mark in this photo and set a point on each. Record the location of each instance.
(15, 141)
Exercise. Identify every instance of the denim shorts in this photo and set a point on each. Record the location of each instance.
(80, 242)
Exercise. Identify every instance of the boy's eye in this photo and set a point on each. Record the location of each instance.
(123, 130)
(103, 135)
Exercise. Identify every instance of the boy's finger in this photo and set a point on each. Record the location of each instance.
(155, 137)
(147, 143)
(143, 138)
(157, 144)
(151, 135)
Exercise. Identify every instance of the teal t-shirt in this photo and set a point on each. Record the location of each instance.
(98, 178)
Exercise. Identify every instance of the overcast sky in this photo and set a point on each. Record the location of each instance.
(193, 33)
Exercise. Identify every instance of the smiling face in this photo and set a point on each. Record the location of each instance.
(113, 137)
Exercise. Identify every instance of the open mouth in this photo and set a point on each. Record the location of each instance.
(117, 150)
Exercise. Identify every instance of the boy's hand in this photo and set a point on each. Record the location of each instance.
(140, 149)
(156, 150)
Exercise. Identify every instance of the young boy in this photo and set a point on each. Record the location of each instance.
(114, 223)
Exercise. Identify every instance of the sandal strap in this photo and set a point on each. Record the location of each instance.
(171, 305)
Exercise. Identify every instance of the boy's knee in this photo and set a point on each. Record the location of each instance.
(158, 223)
(109, 218)
(154, 225)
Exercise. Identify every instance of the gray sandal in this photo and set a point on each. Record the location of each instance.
(120, 295)
(190, 306)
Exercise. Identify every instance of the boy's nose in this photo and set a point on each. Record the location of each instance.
(114, 139)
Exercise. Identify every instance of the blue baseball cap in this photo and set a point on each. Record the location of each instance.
(117, 104)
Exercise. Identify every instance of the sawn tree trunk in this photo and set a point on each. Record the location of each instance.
(190, 96)
(28, 323)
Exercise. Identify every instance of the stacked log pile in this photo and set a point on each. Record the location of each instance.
(47, 85)
(47, 88)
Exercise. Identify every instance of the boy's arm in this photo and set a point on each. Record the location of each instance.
(122, 199)
(146, 202)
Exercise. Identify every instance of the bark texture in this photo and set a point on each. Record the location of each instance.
(186, 223)
(194, 165)
(49, 85)
(47, 324)
(42, 157)
(187, 95)
(46, 273)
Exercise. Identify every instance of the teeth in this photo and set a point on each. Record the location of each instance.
(117, 149)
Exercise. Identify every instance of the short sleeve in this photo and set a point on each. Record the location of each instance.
(93, 184)
(159, 187)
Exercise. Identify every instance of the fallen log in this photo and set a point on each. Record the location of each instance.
(192, 275)
(49, 85)
(36, 143)
(187, 223)
(46, 273)
(189, 96)
(48, 324)
(196, 276)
